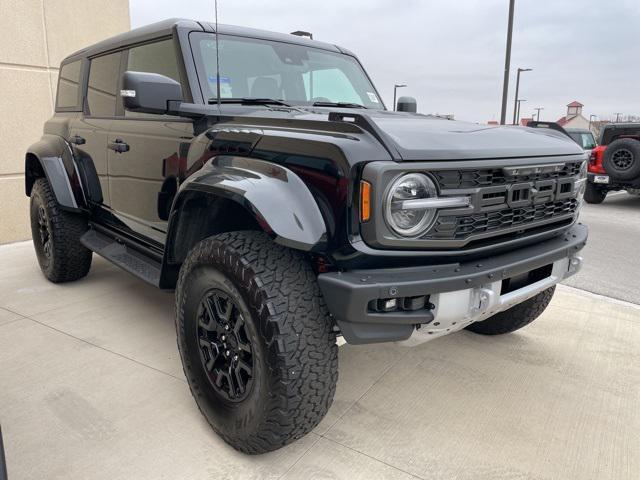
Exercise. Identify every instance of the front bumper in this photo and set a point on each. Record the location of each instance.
(459, 293)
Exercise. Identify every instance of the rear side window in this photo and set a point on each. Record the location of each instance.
(103, 85)
(68, 96)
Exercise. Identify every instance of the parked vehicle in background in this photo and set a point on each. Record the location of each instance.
(582, 137)
(285, 205)
(615, 163)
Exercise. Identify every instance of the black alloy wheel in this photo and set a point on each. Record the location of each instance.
(45, 233)
(256, 340)
(225, 348)
(622, 159)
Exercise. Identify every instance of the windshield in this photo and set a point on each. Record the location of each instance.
(585, 140)
(294, 74)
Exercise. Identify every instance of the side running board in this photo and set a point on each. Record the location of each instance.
(125, 257)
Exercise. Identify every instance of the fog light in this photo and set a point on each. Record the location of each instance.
(384, 304)
(414, 303)
(390, 304)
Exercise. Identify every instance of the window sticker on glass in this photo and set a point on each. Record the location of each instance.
(372, 96)
(225, 86)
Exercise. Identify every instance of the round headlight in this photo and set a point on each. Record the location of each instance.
(409, 222)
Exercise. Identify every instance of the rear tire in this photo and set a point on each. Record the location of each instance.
(56, 237)
(622, 159)
(516, 317)
(594, 194)
(263, 371)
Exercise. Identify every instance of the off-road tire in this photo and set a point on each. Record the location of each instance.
(516, 317)
(65, 259)
(621, 159)
(594, 194)
(287, 322)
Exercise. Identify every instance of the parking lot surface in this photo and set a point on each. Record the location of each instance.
(91, 387)
(612, 254)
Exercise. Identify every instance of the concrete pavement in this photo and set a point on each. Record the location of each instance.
(612, 254)
(91, 387)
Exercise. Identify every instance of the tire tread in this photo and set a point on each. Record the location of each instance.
(302, 350)
(70, 259)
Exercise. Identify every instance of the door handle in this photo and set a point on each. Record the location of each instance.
(77, 140)
(118, 146)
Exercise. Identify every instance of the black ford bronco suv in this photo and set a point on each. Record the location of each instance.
(261, 177)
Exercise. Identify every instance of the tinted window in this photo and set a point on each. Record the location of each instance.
(158, 57)
(103, 84)
(69, 86)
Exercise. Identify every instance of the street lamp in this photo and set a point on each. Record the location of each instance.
(590, 117)
(518, 109)
(507, 64)
(517, 88)
(395, 89)
(538, 115)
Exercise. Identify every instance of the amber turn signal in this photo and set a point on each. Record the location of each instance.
(365, 201)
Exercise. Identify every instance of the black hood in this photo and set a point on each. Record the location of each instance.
(409, 136)
(420, 137)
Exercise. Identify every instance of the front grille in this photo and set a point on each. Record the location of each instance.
(448, 179)
(462, 227)
(505, 203)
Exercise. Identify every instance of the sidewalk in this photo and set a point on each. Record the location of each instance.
(91, 386)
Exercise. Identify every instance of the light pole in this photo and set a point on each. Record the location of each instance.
(617, 117)
(395, 89)
(517, 88)
(538, 115)
(590, 117)
(507, 65)
(518, 109)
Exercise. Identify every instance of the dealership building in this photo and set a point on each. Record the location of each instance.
(37, 35)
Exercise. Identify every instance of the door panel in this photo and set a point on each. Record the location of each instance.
(144, 174)
(93, 125)
(145, 177)
(94, 131)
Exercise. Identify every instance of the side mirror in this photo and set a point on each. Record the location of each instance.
(407, 104)
(150, 93)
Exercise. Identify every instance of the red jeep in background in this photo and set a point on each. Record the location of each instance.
(615, 163)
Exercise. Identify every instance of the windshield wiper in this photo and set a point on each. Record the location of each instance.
(249, 101)
(338, 104)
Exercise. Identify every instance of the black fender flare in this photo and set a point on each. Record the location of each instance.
(275, 196)
(53, 157)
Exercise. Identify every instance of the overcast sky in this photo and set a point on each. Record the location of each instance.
(451, 53)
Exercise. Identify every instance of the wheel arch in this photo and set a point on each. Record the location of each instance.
(52, 158)
(239, 193)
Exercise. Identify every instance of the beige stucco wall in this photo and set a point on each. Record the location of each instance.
(36, 36)
(578, 122)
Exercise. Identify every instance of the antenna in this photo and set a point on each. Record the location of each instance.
(217, 56)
